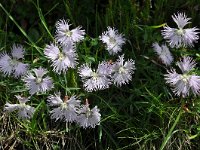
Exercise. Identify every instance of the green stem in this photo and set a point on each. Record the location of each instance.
(170, 131)
(43, 20)
(66, 86)
(22, 31)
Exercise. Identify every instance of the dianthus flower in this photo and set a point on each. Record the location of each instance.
(113, 40)
(62, 58)
(180, 37)
(64, 35)
(163, 53)
(36, 81)
(95, 80)
(12, 64)
(88, 117)
(122, 71)
(185, 82)
(64, 110)
(24, 111)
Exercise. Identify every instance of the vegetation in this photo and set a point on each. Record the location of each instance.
(144, 114)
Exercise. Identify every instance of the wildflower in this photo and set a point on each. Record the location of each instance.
(183, 83)
(36, 81)
(163, 53)
(122, 71)
(24, 111)
(95, 80)
(180, 37)
(12, 64)
(64, 35)
(88, 117)
(62, 58)
(113, 40)
(64, 110)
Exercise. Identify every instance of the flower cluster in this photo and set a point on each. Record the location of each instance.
(119, 73)
(62, 55)
(185, 82)
(70, 110)
(176, 38)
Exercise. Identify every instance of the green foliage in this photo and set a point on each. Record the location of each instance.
(140, 115)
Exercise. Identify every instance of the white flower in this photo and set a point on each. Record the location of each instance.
(163, 53)
(12, 64)
(36, 81)
(113, 40)
(187, 64)
(5, 64)
(64, 110)
(183, 83)
(62, 58)
(24, 111)
(122, 71)
(95, 80)
(17, 51)
(88, 117)
(64, 35)
(180, 37)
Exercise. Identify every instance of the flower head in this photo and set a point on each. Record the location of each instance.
(12, 64)
(95, 80)
(64, 110)
(122, 71)
(62, 58)
(185, 82)
(163, 53)
(113, 40)
(64, 35)
(24, 111)
(180, 37)
(88, 117)
(36, 81)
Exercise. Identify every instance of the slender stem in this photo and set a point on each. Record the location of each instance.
(171, 130)
(67, 127)
(66, 87)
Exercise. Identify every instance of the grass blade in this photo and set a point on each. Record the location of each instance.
(166, 139)
(22, 31)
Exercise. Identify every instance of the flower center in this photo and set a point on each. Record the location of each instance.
(88, 113)
(13, 62)
(95, 75)
(185, 78)
(112, 40)
(22, 105)
(61, 56)
(38, 80)
(68, 33)
(122, 70)
(64, 105)
(180, 31)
